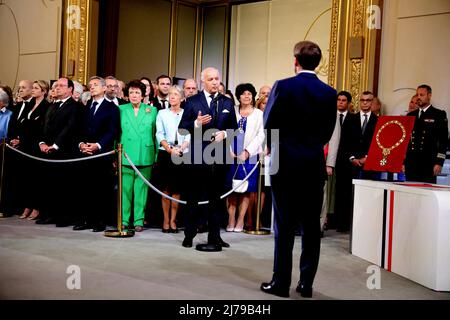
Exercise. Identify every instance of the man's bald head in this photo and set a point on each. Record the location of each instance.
(25, 87)
(210, 78)
(264, 90)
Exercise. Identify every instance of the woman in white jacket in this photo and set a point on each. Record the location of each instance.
(246, 148)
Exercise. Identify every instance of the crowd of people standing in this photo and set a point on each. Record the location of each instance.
(161, 125)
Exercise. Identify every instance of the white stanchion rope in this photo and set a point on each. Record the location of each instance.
(61, 161)
(184, 201)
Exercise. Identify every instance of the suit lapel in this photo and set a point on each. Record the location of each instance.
(220, 103)
(133, 119)
(141, 114)
(100, 108)
(204, 103)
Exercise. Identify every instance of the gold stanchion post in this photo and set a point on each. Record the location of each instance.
(3, 147)
(120, 232)
(257, 231)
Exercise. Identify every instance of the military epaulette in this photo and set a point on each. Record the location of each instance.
(441, 156)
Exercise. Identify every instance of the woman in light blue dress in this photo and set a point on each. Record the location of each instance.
(171, 144)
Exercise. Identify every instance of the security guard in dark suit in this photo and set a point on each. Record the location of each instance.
(426, 151)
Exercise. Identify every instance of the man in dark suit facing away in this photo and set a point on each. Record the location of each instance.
(207, 116)
(303, 110)
(99, 130)
(59, 137)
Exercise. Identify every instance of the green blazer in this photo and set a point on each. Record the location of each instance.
(138, 134)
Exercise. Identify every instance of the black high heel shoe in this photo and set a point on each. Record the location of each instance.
(166, 230)
(173, 230)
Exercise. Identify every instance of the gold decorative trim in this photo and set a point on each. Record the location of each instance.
(76, 39)
(355, 76)
(359, 68)
(358, 17)
(333, 55)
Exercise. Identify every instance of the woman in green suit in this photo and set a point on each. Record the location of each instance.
(138, 123)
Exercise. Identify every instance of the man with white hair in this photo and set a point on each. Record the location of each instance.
(264, 91)
(207, 111)
(20, 110)
(17, 162)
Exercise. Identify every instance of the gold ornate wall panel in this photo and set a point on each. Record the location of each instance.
(352, 24)
(76, 39)
(356, 64)
(334, 33)
(345, 71)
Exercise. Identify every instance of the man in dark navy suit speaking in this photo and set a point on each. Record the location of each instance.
(303, 110)
(207, 116)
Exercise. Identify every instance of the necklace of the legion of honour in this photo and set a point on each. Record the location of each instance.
(386, 151)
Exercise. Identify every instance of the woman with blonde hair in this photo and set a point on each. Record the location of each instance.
(171, 144)
(262, 102)
(30, 132)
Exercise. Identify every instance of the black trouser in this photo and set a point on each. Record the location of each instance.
(343, 205)
(96, 197)
(294, 206)
(419, 169)
(204, 182)
(61, 194)
(14, 178)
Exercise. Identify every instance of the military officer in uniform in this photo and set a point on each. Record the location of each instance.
(426, 151)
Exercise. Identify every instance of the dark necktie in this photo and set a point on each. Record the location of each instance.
(163, 104)
(421, 114)
(341, 118)
(363, 129)
(54, 108)
(92, 110)
(213, 107)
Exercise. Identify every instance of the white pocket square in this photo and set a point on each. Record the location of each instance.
(225, 111)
